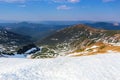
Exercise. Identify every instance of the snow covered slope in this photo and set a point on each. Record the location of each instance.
(96, 67)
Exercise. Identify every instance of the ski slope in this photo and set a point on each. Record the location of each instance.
(96, 67)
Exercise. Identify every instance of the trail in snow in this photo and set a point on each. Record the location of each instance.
(97, 67)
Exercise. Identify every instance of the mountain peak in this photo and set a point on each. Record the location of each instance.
(84, 27)
(79, 37)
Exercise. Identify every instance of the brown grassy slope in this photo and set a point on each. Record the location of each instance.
(101, 49)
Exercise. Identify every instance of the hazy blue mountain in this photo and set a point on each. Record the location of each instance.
(105, 25)
(66, 22)
(43, 29)
(34, 30)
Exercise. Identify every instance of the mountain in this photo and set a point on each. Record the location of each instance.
(65, 22)
(105, 25)
(46, 28)
(35, 30)
(10, 41)
(76, 39)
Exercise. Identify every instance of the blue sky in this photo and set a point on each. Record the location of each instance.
(61, 10)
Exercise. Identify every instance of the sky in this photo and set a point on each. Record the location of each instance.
(60, 10)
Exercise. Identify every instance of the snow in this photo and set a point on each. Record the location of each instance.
(17, 56)
(94, 47)
(115, 44)
(96, 67)
(30, 50)
(116, 24)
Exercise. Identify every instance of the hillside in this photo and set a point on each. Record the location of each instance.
(10, 41)
(77, 38)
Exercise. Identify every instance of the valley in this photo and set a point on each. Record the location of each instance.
(75, 39)
(59, 39)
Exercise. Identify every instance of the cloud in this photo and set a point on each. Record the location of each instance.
(13, 1)
(70, 1)
(22, 6)
(108, 0)
(63, 7)
(22, 1)
(73, 1)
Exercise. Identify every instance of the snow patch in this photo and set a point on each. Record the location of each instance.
(94, 47)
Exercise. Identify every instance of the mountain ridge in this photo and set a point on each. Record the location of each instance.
(10, 41)
(77, 37)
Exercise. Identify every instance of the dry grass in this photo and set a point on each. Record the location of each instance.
(101, 49)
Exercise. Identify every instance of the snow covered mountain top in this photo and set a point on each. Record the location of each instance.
(97, 67)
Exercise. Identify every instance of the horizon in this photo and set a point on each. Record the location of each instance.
(50, 21)
(59, 10)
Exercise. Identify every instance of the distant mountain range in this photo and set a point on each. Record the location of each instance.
(34, 30)
(43, 29)
(57, 39)
(105, 25)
